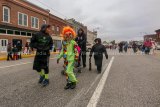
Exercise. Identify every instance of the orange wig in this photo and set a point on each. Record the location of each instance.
(69, 30)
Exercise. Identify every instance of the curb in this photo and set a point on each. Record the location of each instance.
(26, 56)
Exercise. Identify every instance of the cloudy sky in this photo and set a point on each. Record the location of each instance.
(115, 19)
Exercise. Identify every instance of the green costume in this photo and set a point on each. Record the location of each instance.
(70, 54)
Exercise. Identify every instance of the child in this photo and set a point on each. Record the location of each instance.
(15, 53)
(70, 54)
(98, 49)
(42, 42)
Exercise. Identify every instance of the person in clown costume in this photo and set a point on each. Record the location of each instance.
(70, 53)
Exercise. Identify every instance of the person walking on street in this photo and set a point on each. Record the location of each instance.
(126, 47)
(153, 46)
(9, 52)
(81, 40)
(19, 47)
(15, 53)
(42, 42)
(120, 47)
(148, 46)
(70, 54)
(98, 49)
(134, 47)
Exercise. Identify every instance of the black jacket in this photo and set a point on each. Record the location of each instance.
(19, 46)
(99, 50)
(43, 43)
(81, 40)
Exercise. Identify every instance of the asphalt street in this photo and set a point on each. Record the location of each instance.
(131, 81)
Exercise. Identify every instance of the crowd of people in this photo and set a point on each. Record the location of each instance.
(147, 47)
(73, 53)
(15, 51)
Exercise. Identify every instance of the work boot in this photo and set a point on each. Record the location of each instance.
(73, 85)
(41, 79)
(45, 82)
(68, 85)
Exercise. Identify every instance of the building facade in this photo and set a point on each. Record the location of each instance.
(19, 20)
(77, 25)
(57, 27)
(91, 36)
(155, 37)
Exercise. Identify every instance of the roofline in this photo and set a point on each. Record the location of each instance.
(47, 10)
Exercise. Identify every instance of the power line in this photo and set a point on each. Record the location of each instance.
(52, 8)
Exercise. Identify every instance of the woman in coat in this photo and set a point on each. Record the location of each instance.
(42, 42)
(98, 49)
(82, 40)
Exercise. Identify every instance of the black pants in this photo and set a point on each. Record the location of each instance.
(9, 56)
(82, 57)
(98, 62)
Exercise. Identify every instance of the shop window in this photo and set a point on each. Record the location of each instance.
(29, 34)
(10, 32)
(23, 33)
(17, 33)
(3, 31)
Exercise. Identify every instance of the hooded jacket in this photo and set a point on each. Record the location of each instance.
(81, 40)
(41, 40)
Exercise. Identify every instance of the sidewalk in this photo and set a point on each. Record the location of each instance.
(3, 56)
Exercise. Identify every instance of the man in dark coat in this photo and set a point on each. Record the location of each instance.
(120, 47)
(9, 52)
(19, 47)
(98, 49)
(43, 43)
(81, 41)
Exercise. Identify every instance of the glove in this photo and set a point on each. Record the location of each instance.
(58, 61)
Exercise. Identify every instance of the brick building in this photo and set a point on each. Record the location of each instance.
(77, 25)
(20, 19)
(155, 37)
(158, 35)
(91, 36)
(57, 27)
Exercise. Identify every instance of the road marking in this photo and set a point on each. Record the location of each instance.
(97, 93)
(95, 80)
(18, 64)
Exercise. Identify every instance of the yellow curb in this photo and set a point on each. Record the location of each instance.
(25, 56)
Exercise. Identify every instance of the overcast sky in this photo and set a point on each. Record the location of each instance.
(116, 19)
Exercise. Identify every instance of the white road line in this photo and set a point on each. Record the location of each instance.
(15, 65)
(18, 64)
(95, 80)
(97, 93)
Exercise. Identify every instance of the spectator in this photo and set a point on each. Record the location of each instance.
(9, 52)
(81, 40)
(15, 52)
(19, 47)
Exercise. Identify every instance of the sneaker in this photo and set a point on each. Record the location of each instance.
(45, 82)
(41, 79)
(68, 85)
(73, 85)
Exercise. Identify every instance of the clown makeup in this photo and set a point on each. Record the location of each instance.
(68, 36)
